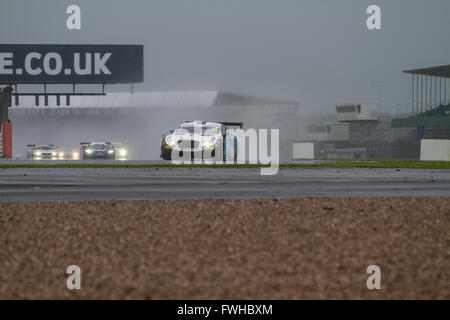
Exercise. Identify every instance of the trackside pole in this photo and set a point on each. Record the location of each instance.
(5, 124)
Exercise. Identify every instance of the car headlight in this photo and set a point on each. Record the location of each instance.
(61, 154)
(208, 143)
(88, 151)
(123, 152)
(169, 141)
(75, 155)
(110, 151)
(38, 153)
(54, 153)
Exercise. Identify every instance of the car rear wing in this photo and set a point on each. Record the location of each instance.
(34, 145)
(116, 144)
(233, 124)
(225, 123)
(81, 143)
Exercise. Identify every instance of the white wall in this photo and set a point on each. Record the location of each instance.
(303, 150)
(435, 150)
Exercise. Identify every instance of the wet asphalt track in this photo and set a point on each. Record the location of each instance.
(80, 184)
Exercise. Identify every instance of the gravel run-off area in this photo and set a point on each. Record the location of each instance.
(304, 248)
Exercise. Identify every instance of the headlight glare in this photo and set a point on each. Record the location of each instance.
(208, 143)
(169, 141)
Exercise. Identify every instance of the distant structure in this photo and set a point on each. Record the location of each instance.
(341, 139)
(357, 112)
(360, 132)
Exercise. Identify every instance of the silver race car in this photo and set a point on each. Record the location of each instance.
(197, 137)
(42, 152)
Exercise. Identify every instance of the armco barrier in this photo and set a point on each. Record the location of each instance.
(6, 140)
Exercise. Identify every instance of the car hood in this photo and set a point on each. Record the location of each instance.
(191, 136)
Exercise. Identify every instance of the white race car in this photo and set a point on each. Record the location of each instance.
(42, 152)
(196, 137)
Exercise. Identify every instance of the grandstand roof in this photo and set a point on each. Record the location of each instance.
(156, 99)
(439, 71)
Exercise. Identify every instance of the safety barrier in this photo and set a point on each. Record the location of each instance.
(400, 149)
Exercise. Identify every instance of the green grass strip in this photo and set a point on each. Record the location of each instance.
(406, 164)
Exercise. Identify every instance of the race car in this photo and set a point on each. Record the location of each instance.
(42, 152)
(196, 137)
(121, 150)
(68, 154)
(97, 150)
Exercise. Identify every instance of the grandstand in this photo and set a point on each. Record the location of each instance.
(436, 117)
(429, 103)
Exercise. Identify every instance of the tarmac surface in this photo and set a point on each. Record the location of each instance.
(81, 184)
(316, 245)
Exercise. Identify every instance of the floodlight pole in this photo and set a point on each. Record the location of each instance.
(445, 90)
(412, 95)
(379, 93)
(45, 95)
(417, 94)
(435, 92)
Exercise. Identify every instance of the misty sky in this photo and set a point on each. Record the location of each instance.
(317, 52)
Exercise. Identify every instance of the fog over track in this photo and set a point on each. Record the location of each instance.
(139, 119)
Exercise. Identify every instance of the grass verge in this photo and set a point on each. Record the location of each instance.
(406, 164)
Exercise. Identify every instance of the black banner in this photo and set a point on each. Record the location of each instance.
(67, 64)
(230, 309)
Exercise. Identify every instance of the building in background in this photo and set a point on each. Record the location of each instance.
(372, 135)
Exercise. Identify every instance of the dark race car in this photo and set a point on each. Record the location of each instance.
(121, 150)
(97, 150)
(68, 154)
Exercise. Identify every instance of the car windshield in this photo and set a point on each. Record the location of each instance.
(98, 146)
(207, 129)
(43, 148)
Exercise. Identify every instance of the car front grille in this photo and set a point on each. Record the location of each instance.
(193, 144)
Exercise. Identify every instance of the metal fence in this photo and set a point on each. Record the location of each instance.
(400, 149)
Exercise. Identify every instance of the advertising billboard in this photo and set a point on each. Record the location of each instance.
(71, 64)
